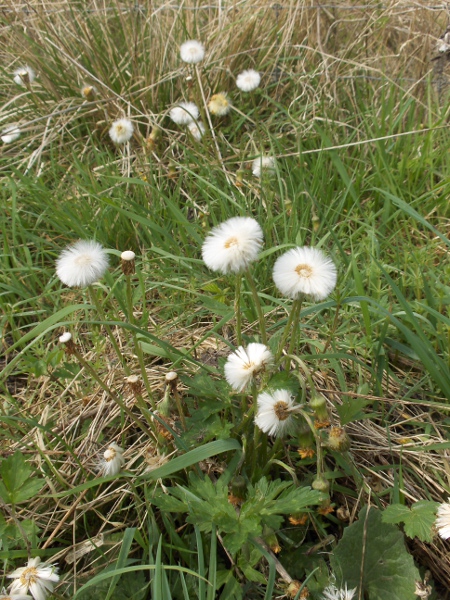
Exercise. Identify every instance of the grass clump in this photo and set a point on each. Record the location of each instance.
(244, 372)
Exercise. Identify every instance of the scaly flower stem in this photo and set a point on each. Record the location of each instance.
(237, 310)
(137, 346)
(102, 317)
(262, 323)
(317, 439)
(291, 322)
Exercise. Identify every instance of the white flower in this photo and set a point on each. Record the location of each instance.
(24, 75)
(184, 113)
(334, 593)
(443, 520)
(192, 51)
(36, 578)
(244, 364)
(305, 271)
(274, 412)
(233, 245)
(249, 80)
(197, 130)
(121, 131)
(112, 460)
(5, 596)
(10, 134)
(82, 264)
(263, 164)
(219, 105)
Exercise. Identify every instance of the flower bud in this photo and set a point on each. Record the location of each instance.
(238, 490)
(318, 404)
(338, 439)
(321, 484)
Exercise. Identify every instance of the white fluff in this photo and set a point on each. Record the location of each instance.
(233, 245)
(245, 363)
(82, 264)
(305, 271)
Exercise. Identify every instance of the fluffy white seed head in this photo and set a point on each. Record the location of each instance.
(233, 245)
(305, 271)
(443, 520)
(274, 412)
(197, 130)
(245, 364)
(10, 134)
(184, 113)
(111, 461)
(24, 75)
(121, 131)
(128, 255)
(333, 593)
(82, 264)
(263, 165)
(36, 578)
(248, 80)
(192, 51)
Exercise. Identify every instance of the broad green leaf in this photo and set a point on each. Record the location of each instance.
(418, 520)
(373, 554)
(17, 483)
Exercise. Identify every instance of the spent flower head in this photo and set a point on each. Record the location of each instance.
(184, 113)
(219, 105)
(121, 131)
(192, 51)
(24, 75)
(233, 245)
(443, 520)
(274, 412)
(36, 578)
(305, 271)
(88, 92)
(263, 165)
(111, 461)
(248, 80)
(244, 364)
(10, 134)
(82, 264)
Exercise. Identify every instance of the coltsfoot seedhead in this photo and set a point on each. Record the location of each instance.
(69, 345)
(135, 384)
(127, 262)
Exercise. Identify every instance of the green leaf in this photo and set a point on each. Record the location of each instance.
(373, 554)
(352, 410)
(17, 485)
(418, 520)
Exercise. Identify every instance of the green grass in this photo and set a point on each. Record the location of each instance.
(362, 172)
